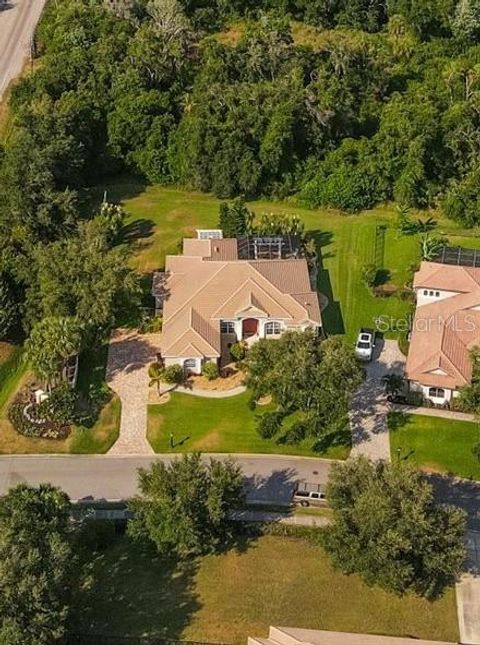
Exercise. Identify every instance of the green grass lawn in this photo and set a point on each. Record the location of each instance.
(160, 217)
(439, 445)
(95, 439)
(218, 425)
(225, 598)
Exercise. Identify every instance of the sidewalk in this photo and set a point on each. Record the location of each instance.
(436, 412)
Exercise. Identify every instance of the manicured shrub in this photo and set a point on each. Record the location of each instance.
(295, 434)
(210, 371)
(173, 374)
(60, 405)
(238, 351)
(269, 424)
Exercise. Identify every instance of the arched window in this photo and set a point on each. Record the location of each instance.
(273, 328)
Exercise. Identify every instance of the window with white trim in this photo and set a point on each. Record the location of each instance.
(227, 327)
(273, 328)
(425, 292)
(437, 294)
(436, 392)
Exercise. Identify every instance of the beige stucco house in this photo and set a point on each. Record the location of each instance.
(213, 295)
(446, 327)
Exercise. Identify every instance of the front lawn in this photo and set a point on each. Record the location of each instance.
(435, 444)
(225, 598)
(160, 217)
(218, 425)
(95, 439)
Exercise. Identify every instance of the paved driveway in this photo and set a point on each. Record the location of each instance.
(129, 356)
(368, 414)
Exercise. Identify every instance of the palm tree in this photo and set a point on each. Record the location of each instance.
(155, 373)
(52, 342)
(393, 383)
(430, 246)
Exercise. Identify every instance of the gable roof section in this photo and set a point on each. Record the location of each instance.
(201, 291)
(432, 275)
(444, 331)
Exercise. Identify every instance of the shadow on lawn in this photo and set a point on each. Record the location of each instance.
(332, 315)
(131, 590)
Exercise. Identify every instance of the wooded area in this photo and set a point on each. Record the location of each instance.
(381, 103)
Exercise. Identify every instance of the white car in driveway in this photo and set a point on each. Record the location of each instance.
(365, 344)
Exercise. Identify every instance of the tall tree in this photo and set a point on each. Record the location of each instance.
(52, 342)
(35, 565)
(388, 528)
(184, 507)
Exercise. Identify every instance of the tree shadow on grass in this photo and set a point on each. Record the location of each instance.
(116, 189)
(332, 318)
(130, 590)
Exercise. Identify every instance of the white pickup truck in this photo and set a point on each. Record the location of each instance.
(365, 344)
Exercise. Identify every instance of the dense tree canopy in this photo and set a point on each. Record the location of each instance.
(311, 381)
(35, 565)
(388, 528)
(344, 103)
(184, 507)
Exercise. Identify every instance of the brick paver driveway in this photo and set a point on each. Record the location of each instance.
(129, 355)
(368, 413)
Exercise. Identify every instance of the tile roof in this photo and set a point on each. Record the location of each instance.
(200, 291)
(444, 331)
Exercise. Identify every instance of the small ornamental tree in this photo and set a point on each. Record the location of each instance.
(35, 565)
(388, 528)
(235, 218)
(184, 507)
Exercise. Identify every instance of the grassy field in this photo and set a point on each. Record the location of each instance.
(96, 439)
(225, 598)
(160, 217)
(438, 445)
(218, 425)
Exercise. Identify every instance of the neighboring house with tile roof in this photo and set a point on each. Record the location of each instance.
(210, 299)
(445, 329)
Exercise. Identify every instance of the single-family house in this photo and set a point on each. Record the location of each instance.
(445, 328)
(221, 291)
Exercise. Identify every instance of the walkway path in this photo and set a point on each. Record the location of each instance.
(368, 414)
(129, 355)
(468, 594)
(206, 394)
(437, 412)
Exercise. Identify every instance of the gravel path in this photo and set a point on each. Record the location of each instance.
(368, 413)
(129, 355)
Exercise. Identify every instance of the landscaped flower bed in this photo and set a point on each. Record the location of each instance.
(24, 414)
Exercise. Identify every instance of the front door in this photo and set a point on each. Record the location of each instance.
(249, 327)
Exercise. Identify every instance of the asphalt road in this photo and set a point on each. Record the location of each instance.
(268, 478)
(18, 20)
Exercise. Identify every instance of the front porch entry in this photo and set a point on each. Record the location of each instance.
(249, 328)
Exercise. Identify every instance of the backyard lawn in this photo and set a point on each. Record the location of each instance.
(218, 425)
(96, 439)
(225, 598)
(160, 217)
(438, 445)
